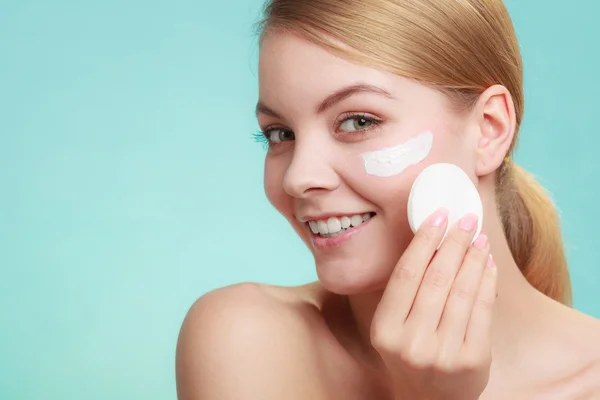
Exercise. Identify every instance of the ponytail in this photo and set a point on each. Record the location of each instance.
(532, 228)
(461, 48)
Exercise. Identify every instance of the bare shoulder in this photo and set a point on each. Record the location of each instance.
(583, 355)
(586, 329)
(587, 383)
(247, 341)
(591, 374)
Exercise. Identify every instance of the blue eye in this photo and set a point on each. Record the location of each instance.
(356, 123)
(278, 135)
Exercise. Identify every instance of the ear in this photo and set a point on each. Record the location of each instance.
(495, 115)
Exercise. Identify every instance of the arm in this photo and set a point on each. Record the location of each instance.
(237, 343)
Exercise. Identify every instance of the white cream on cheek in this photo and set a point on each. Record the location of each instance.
(392, 161)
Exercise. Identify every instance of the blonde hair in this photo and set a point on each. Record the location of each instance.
(461, 47)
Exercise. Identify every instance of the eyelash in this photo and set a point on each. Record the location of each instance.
(374, 122)
(262, 136)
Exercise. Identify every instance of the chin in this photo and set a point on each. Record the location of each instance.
(354, 276)
(363, 263)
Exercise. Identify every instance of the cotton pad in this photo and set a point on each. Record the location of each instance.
(443, 186)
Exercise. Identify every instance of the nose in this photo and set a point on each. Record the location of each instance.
(310, 171)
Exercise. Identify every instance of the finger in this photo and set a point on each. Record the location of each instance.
(479, 329)
(439, 277)
(404, 282)
(464, 291)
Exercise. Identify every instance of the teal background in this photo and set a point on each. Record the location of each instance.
(130, 184)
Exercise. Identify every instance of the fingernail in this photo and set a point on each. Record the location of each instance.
(439, 218)
(468, 223)
(481, 242)
(490, 262)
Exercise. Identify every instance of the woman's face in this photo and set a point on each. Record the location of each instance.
(323, 114)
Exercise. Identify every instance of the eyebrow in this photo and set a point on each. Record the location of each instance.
(332, 99)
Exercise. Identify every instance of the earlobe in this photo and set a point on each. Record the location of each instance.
(497, 124)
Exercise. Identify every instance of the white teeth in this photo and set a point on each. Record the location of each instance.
(322, 225)
(313, 227)
(345, 221)
(335, 226)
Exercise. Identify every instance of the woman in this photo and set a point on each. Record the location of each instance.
(391, 317)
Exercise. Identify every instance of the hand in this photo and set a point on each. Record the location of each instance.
(432, 327)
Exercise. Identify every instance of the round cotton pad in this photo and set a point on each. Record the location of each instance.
(443, 186)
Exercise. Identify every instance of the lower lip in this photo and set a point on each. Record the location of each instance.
(322, 243)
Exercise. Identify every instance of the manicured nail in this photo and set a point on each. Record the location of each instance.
(468, 223)
(490, 262)
(481, 242)
(439, 218)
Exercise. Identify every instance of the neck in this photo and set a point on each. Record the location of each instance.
(516, 304)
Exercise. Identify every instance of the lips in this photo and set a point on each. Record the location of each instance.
(334, 226)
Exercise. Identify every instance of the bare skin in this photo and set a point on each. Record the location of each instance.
(260, 341)
(336, 338)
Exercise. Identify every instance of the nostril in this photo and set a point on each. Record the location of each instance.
(309, 175)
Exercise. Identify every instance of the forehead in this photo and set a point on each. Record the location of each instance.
(292, 63)
(296, 75)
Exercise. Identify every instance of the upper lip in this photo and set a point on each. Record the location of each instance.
(325, 216)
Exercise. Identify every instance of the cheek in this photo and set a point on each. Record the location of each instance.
(274, 173)
(390, 193)
(452, 148)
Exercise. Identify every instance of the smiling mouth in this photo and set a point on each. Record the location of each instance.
(335, 226)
